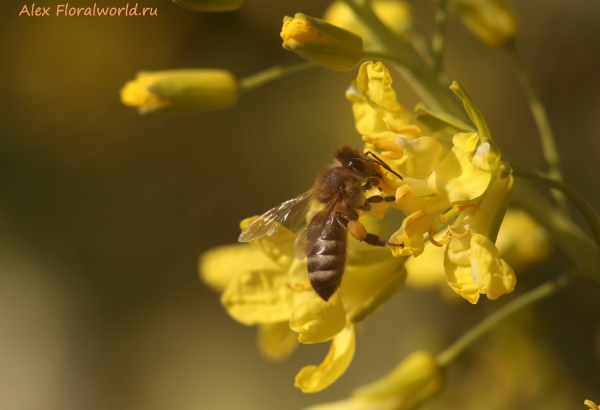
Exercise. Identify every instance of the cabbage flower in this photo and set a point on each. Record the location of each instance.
(264, 284)
(453, 180)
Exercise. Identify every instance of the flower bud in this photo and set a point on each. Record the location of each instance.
(395, 14)
(321, 42)
(210, 5)
(180, 90)
(415, 379)
(490, 20)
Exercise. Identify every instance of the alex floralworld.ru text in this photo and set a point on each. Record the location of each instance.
(91, 11)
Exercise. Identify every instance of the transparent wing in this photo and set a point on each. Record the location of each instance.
(308, 238)
(289, 214)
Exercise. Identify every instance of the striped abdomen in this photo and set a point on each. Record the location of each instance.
(327, 259)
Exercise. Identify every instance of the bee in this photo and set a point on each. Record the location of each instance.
(340, 190)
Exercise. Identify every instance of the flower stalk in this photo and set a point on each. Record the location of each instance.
(542, 122)
(533, 296)
(271, 74)
(438, 42)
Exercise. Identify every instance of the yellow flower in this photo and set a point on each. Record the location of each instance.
(210, 5)
(395, 14)
(180, 90)
(521, 243)
(490, 20)
(414, 380)
(451, 175)
(591, 405)
(321, 42)
(263, 284)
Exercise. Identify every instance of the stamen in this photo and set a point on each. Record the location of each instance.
(462, 207)
(432, 240)
(299, 287)
(456, 234)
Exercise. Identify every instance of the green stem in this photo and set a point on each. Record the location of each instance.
(439, 39)
(584, 206)
(270, 74)
(570, 239)
(413, 68)
(542, 121)
(533, 296)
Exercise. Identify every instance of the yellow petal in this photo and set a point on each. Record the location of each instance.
(411, 233)
(461, 281)
(488, 219)
(375, 85)
(219, 265)
(263, 296)
(421, 155)
(427, 271)
(367, 120)
(312, 379)
(369, 275)
(279, 246)
(388, 288)
(491, 273)
(276, 341)
(457, 263)
(317, 321)
(456, 177)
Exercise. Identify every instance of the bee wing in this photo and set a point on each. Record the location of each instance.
(308, 238)
(289, 214)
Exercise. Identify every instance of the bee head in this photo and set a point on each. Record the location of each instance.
(350, 158)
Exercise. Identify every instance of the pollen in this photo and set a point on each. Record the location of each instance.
(299, 287)
(357, 230)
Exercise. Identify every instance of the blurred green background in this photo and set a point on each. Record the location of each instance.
(103, 213)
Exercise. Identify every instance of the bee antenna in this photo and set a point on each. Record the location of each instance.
(379, 161)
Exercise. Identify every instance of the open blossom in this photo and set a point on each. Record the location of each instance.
(453, 180)
(264, 284)
(521, 242)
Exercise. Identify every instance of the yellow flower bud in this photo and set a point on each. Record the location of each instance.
(395, 14)
(180, 90)
(490, 20)
(210, 5)
(415, 379)
(321, 42)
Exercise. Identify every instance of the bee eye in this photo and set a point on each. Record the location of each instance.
(357, 165)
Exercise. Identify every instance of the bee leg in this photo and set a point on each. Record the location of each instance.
(374, 200)
(358, 231)
(376, 240)
(371, 182)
